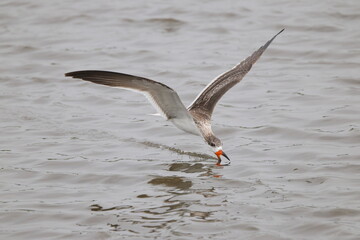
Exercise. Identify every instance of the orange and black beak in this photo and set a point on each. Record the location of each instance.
(218, 154)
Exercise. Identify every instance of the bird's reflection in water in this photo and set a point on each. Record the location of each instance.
(181, 194)
(172, 181)
(174, 199)
(205, 170)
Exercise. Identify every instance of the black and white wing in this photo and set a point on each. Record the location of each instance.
(205, 102)
(165, 100)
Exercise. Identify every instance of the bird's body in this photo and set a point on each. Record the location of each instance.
(195, 119)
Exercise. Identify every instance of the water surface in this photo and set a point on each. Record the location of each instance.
(83, 161)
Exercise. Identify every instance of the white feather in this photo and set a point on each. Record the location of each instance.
(151, 100)
(185, 123)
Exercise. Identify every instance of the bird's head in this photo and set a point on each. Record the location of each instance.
(216, 147)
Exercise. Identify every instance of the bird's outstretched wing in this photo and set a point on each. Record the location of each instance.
(205, 102)
(165, 100)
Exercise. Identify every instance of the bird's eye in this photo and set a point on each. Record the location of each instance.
(212, 144)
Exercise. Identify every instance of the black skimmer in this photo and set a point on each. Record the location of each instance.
(196, 118)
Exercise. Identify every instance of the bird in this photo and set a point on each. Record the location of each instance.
(194, 119)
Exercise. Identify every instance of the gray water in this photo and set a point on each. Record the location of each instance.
(84, 161)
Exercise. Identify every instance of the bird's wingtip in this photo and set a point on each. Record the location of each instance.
(280, 31)
(268, 43)
(68, 74)
(76, 74)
